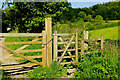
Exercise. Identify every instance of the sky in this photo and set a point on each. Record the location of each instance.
(79, 3)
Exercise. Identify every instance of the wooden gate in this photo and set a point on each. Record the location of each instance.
(41, 38)
(59, 53)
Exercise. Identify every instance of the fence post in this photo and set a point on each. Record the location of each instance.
(48, 28)
(55, 45)
(44, 52)
(85, 37)
(2, 39)
(76, 47)
(82, 47)
(102, 40)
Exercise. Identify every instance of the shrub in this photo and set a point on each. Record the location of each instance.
(54, 71)
(99, 65)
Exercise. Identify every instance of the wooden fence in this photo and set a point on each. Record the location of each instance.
(46, 50)
(66, 42)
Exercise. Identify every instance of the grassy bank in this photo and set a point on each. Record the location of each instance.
(109, 33)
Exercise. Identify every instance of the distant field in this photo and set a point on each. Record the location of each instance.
(108, 33)
(113, 21)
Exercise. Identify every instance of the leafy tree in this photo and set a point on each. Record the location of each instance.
(88, 18)
(82, 15)
(31, 15)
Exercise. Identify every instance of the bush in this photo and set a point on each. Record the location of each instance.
(54, 71)
(99, 65)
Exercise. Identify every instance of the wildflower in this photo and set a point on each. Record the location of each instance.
(109, 44)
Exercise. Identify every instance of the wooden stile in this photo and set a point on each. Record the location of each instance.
(55, 45)
(48, 28)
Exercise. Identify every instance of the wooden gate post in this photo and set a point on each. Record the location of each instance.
(102, 40)
(55, 45)
(85, 37)
(82, 47)
(2, 39)
(44, 52)
(48, 28)
(76, 47)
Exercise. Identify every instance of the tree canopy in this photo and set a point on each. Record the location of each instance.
(31, 15)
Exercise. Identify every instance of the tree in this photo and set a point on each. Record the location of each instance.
(82, 15)
(88, 18)
(31, 15)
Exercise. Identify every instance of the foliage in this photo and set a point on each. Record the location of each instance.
(82, 15)
(3, 75)
(31, 15)
(54, 71)
(99, 65)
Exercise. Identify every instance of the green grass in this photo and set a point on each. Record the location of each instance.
(113, 21)
(108, 33)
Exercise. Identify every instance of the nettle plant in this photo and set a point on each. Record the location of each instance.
(100, 64)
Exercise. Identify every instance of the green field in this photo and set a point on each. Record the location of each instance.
(108, 33)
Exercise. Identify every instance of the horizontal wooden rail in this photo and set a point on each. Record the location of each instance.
(20, 34)
(18, 66)
(66, 57)
(63, 63)
(67, 50)
(18, 58)
(63, 34)
(37, 50)
(7, 43)
(65, 42)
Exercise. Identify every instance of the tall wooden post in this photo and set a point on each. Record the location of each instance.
(85, 37)
(82, 47)
(55, 45)
(102, 40)
(76, 47)
(44, 52)
(2, 39)
(48, 28)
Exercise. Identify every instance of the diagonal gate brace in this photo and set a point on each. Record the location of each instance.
(66, 49)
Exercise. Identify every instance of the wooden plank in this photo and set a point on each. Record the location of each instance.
(18, 58)
(63, 63)
(65, 46)
(24, 57)
(65, 42)
(44, 52)
(36, 50)
(18, 66)
(92, 40)
(20, 72)
(36, 39)
(102, 40)
(66, 49)
(82, 47)
(76, 46)
(48, 28)
(61, 50)
(55, 46)
(7, 43)
(63, 34)
(20, 34)
(66, 57)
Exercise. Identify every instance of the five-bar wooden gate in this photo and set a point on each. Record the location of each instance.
(58, 40)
